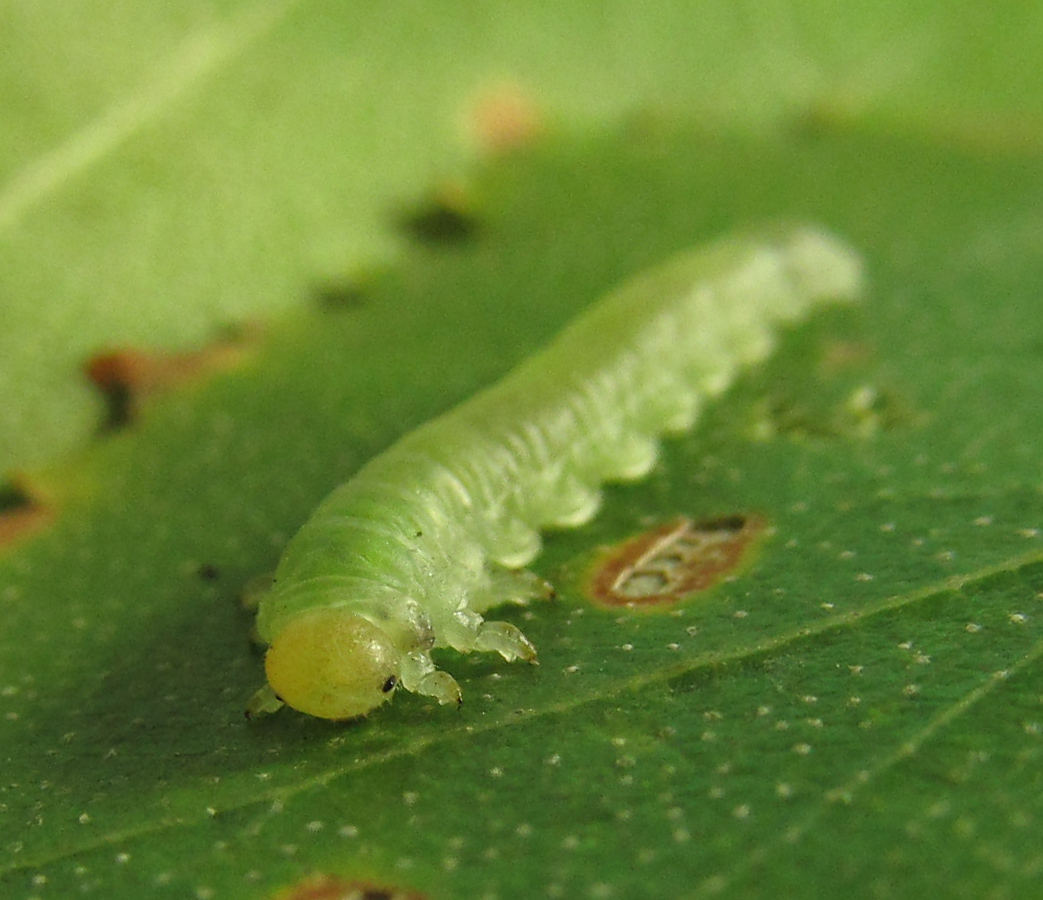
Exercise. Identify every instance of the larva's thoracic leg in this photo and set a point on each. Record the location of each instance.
(442, 686)
(505, 639)
(420, 676)
(263, 703)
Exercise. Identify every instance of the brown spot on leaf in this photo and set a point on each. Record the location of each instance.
(20, 515)
(445, 218)
(504, 118)
(127, 376)
(839, 355)
(209, 572)
(661, 566)
(330, 887)
(338, 296)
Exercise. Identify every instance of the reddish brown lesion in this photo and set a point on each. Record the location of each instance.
(331, 887)
(21, 521)
(677, 559)
(26, 508)
(504, 117)
(128, 376)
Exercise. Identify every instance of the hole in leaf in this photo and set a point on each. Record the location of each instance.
(666, 564)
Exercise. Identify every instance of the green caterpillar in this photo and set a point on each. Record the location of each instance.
(410, 553)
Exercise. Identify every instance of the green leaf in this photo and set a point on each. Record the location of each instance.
(857, 714)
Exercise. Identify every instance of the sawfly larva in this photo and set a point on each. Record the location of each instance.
(410, 553)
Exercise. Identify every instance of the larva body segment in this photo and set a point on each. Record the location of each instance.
(408, 554)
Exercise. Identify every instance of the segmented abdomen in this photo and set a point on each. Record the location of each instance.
(424, 520)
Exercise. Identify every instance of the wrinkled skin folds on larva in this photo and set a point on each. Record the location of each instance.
(409, 554)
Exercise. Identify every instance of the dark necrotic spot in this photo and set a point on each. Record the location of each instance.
(332, 887)
(209, 572)
(439, 222)
(127, 376)
(20, 515)
(339, 296)
(13, 497)
(724, 523)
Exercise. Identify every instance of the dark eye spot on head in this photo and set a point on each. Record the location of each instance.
(389, 685)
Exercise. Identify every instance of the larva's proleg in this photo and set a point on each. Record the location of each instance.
(408, 554)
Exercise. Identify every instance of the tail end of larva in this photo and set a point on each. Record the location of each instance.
(824, 266)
